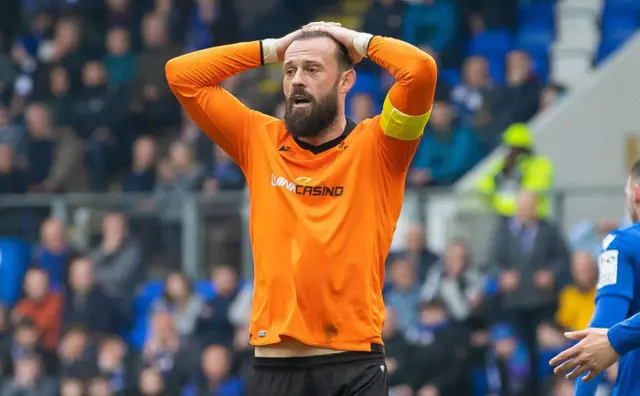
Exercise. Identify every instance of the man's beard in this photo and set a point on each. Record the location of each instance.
(313, 119)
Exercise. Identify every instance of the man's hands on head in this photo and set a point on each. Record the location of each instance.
(346, 37)
(592, 355)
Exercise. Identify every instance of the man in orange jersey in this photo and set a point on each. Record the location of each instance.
(325, 197)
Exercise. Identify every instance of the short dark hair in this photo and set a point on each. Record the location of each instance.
(342, 54)
(635, 171)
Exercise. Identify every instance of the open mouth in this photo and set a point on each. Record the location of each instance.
(300, 102)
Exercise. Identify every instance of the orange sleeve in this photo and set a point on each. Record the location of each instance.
(407, 107)
(194, 79)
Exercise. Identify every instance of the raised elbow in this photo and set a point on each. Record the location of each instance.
(424, 70)
(171, 70)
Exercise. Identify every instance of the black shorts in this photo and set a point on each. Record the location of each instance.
(343, 374)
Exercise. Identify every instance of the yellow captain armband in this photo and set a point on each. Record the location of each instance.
(398, 125)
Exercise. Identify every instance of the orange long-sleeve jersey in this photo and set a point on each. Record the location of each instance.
(321, 219)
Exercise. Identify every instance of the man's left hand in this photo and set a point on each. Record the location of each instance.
(544, 279)
(341, 34)
(593, 354)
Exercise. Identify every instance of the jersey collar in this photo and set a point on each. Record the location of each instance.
(350, 126)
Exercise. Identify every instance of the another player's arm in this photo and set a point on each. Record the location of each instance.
(625, 336)
(613, 298)
(194, 78)
(407, 106)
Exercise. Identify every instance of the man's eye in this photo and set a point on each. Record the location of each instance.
(313, 70)
(290, 72)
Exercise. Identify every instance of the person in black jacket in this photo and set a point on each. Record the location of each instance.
(85, 304)
(396, 351)
(439, 359)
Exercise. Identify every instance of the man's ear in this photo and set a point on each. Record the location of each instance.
(636, 194)
(347, 81)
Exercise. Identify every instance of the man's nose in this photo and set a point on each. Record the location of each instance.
(298, 79)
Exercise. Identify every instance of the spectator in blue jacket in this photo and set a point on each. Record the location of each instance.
(216, 378)
(447, 150)
(55, 253)
(431, 22)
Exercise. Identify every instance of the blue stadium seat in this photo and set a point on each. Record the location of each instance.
(619, 22)
(607, 48)
(15, 256)
(491, 43)
(496, 68)
(143, 302)
(539, 38)
(630, 4)
(537, 15)
(450, 76)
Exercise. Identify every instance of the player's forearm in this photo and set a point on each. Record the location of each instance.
(415, 72)
(208, 67)
(625, 336)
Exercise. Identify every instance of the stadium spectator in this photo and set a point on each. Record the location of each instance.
(216, 377)
(214, 324)
(118, 259)
(508, 368)
(431, 23)
(121, 13)
(438, 362)
(114, 363)
(99, 386)
(576, 301)
(191, 135)
(23, 342)
(42, 306)
(416, 250)
(151, 383)
(520, 168)
(29, 379)
(226, 174)
(61, 100)
(72, 387)
(397, 351)
(527, 258)
(174, 359)
(12, 133)
(181, 302)
(515, 102)
(152, 101)
(119, 61)
(403, 295)
(141, 177)
(74, 354)
(447, 151)
(55, 253)
(12, 180)
(65, 50)
(385, 18)
(467, 97)
(55, 156)
(181, 175)
(102, 120)
(361, 107)
(85, 304)
(455, 282)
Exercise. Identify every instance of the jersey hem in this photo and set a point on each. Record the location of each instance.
(336, 346)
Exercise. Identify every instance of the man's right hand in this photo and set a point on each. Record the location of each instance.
(509, 280)
(284, 42)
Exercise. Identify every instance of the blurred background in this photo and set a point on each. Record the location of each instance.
(125, 266)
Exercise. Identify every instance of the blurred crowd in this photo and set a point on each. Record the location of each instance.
(84, 107)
